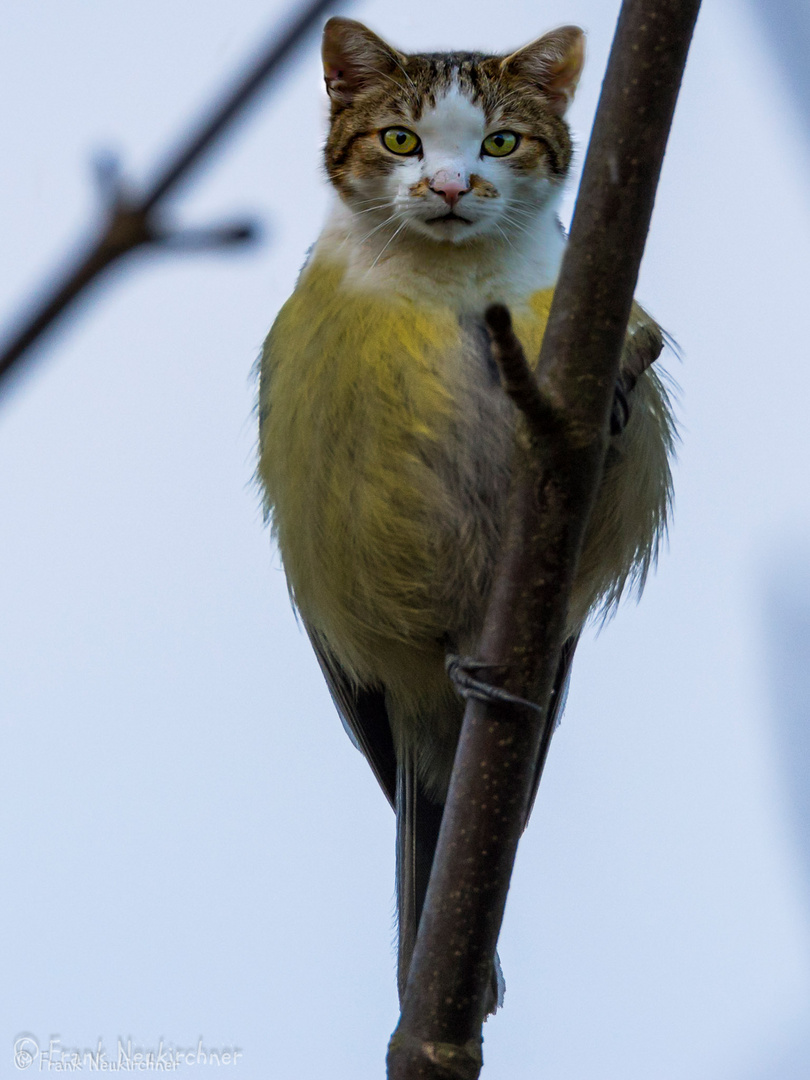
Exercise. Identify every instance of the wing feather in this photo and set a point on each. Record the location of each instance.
(364, 715)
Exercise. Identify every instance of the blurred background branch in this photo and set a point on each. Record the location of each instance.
(130, 220)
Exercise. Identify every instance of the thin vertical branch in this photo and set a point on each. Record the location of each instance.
(561, 448)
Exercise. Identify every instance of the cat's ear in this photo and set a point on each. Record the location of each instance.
(354, 57)
(553, 62)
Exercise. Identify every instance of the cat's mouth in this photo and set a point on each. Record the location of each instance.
(447, 218)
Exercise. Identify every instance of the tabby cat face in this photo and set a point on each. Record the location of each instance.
(447, 146)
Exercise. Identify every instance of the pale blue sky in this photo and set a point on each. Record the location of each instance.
(192, 846)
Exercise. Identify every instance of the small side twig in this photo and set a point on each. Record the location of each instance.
(133, 221)
(562, 438)
(516, 376)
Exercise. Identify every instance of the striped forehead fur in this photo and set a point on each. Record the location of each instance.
(417, 82)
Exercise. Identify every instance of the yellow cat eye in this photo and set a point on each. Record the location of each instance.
(400, 141)
(500, 144)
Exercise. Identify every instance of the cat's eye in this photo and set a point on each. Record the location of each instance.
(500, 144)
(400, 140)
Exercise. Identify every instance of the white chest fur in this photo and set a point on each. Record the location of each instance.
(466, 277)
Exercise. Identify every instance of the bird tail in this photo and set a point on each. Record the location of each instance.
(418, 821)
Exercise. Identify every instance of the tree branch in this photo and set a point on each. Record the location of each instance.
(131, 222)
(562, 437)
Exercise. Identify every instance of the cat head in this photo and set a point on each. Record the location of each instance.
(449, 146)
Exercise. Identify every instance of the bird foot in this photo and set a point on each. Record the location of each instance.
(464, 672)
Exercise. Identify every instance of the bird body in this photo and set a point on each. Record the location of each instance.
(386, 453)
(386, 440)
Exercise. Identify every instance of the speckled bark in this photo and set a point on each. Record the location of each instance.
(560, 451)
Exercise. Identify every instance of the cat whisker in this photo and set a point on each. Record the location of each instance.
(508, 215)
(380, 206)
(520, 212)
(407, 76)
(516, 213)
(365, 202)
(391, 78)
(382, 225)
(380, 254)
(519, 226)
(503, 234)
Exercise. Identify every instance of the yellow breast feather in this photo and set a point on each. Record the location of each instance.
(352, 393)
(361, 394)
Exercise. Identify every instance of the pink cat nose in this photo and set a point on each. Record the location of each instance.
(451, 186)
